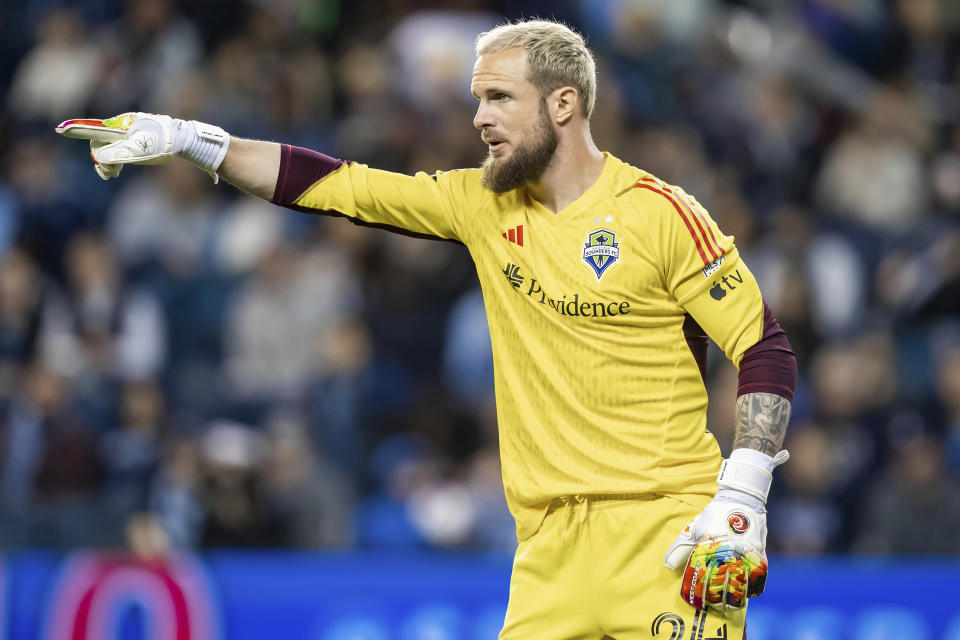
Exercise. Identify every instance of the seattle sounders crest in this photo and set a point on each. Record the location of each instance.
(601, 250)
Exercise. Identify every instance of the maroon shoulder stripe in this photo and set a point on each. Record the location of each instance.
(693, 234)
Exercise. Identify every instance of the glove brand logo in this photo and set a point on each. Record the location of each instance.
(738, 522)
(694, 578)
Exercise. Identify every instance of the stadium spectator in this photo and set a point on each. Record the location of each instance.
(239, 512)
(311, 495)
(131, 453)
(59, 75)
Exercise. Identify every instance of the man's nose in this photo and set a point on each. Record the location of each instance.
(483, 117)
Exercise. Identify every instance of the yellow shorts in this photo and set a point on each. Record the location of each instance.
(595, 570)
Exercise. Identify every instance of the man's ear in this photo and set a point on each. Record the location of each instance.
(565, 101)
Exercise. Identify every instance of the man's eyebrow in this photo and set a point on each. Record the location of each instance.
(490, 91)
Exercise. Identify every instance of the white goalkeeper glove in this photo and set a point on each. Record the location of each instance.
(147, 138)
(724, 548)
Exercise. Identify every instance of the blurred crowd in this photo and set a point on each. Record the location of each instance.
(183, 363)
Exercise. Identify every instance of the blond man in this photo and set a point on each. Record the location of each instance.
(601, 285)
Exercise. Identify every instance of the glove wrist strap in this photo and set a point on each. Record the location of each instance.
(201, 144)
(750, 471)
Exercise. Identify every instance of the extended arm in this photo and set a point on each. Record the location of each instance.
(252, 165)
(286, 175)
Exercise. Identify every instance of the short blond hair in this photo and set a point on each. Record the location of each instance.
(556, 55)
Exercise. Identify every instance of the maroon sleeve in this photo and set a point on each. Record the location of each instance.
(769, 366)
(299, 169)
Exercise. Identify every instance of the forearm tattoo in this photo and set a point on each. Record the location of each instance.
(761, 422)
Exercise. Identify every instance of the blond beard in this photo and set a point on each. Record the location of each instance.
(527, 163)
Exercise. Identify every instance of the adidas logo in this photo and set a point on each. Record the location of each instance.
(514, 235)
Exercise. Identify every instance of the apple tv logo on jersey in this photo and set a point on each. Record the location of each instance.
(719, 289)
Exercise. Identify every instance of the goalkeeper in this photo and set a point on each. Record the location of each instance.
(601, 284)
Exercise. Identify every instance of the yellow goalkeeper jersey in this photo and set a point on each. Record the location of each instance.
(595, 313)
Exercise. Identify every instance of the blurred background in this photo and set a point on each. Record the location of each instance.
(184, 368)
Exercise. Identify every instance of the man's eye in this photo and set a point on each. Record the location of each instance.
(500, 96)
